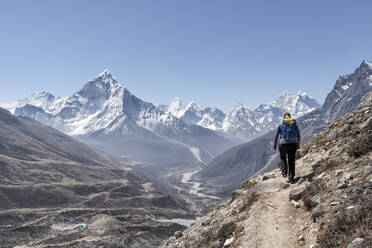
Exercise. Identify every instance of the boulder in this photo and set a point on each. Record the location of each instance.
(318, 211)
(315, 200)
(226, 228)
(295, 204)
(296, 193)
(346, 176)
(339, 172)
(356, 243)
(321, 175)
(367, 125)
(267, 177)
(367, 171)
(343, 184)
(206, 222)
(178, 234)
(228, 242)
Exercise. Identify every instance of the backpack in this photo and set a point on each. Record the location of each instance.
(289, 131)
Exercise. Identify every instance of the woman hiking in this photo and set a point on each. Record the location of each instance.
(289, 142)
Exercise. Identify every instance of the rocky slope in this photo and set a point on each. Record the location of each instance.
(329, 206)
(229, 170)
(50, 182)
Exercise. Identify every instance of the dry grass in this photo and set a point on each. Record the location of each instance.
(324, 165)
(310, 190)
(361, 146)
(248, 184)
(248, 202)
(349, 225)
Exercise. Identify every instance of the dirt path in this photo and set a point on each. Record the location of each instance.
(263, 217)
(273, 222)
(277, 224)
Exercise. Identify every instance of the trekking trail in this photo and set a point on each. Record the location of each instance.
(259, 215)
(274, 221)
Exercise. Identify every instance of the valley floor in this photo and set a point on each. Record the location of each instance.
(178, 182)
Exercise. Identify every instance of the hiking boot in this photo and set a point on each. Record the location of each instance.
(291, 181)
(284, 174)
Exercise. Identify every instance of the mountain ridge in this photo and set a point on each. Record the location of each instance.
(242, 123)
(104, 109)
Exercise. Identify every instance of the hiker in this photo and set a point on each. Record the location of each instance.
(289, 142)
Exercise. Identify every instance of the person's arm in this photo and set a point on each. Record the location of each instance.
(278, 130)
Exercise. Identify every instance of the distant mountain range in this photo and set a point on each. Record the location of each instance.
(229, 170)
(242, 123)
(106, 115)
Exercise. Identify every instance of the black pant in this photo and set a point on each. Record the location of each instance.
(289, 149)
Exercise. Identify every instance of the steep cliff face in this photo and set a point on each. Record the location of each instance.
(347, 92)
(329, 206)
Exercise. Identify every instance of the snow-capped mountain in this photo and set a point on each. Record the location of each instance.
(242, 123)
(245, 124)
(296, 104)
(106, 114)
(194, 114)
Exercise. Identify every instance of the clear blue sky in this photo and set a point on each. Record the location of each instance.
(217, 53)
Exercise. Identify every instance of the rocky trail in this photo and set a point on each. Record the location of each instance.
(261, 215)
(273, 220)
(277, 224)
(280, 222)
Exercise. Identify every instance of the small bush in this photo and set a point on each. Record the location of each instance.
(248, 184)
(324, 165)
(349, 225)
(361, 146)
(248, 202)
(310, 190)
